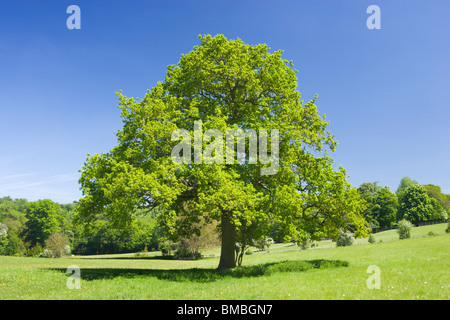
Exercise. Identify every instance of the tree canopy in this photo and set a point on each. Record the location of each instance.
(405, 183)
(415, 205)
(44, 218)
(227, 85)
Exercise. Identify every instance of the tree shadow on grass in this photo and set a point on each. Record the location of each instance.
(209, 275)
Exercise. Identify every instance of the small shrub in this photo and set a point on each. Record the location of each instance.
(344, 239)
(371, 239)
(404, 229)
(185, 252)
(431, 233)
(448, 227)
(47, 253)
(303, 244)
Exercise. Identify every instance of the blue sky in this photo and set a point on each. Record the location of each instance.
(385, 92)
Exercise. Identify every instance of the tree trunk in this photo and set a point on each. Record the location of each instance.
(228, 248)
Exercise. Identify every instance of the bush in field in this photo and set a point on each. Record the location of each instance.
(448, 227)
(47, 254)
(185, 251)
(371, 239)
(263, 243)
(345, 239)
(56, 245)
(404, 229)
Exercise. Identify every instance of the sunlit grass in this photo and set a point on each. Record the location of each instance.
(416, 268)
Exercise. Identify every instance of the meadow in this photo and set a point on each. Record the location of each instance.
(416, 268)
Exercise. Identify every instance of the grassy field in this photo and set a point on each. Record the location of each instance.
(417, 268)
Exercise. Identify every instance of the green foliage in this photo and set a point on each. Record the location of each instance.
(102, 237)
(405, 183)
(167, 247)
(12, 209)
(415, 205)
(44, 218)
(228, 85)
(13, 246)
(185, 251)
(386, 208)
(434, 192)
(345, 239)
(438, 212)
(371, 239)
(404, 229)
(35, 251)
(369, 192)
(382, 205)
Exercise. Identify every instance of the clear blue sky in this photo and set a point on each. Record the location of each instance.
(386, 92)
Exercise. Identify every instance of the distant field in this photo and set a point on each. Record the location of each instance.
(417, 268)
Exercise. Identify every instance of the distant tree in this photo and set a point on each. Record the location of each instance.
(13, 246)
(369, 192)
(102, 237)
(12, 209)
(435, 192)
(385, 210)
(415, 205)
(44, 218)
(438, 212)
(56, 244)
(405, 183)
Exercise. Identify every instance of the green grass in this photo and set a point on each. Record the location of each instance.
(416, 268)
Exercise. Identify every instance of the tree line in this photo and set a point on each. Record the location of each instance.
(411, 201)
(34, 228)
(29, 228)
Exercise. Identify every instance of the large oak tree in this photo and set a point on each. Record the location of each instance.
(226, 84)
